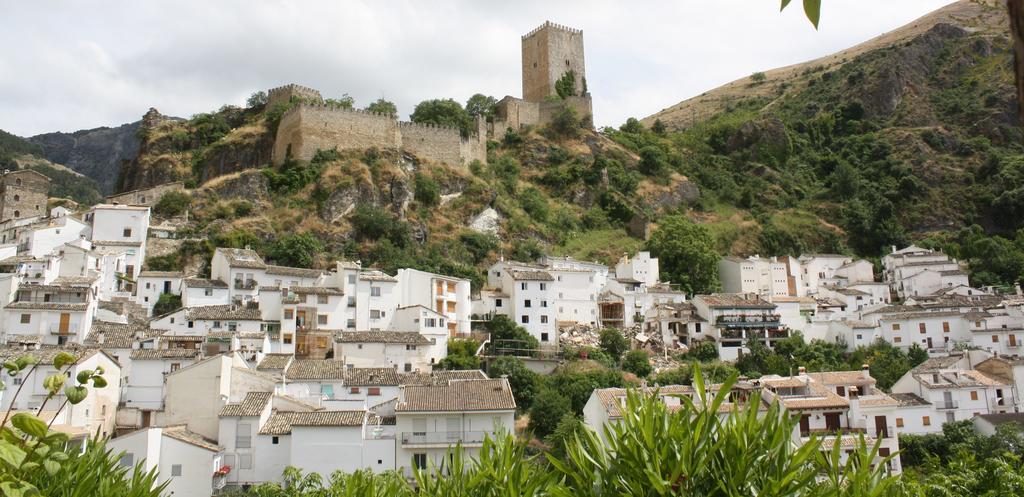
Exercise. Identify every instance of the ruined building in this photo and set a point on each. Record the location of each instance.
(23, 194)
(551, 53)
(313, 125)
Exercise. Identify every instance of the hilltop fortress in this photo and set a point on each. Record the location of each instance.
(552, 59)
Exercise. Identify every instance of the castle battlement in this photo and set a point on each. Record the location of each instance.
(336, 108)
(549, 24)
(428, 127)
(292, 87)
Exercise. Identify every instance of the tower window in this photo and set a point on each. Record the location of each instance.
(17, 198)
(566, 62)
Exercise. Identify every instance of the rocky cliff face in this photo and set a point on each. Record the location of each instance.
(96, 153)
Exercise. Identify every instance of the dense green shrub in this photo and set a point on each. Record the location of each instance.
(166, 303)
(426, 190)
(637, 362)
(173, 203)
(613, 343)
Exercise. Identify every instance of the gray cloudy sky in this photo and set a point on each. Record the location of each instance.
(72, 65)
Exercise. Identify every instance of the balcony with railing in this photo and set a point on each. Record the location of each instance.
(245, 285)
(765, 320)
(53, 299)
(947, 405)
(832, 432)
(442, 438)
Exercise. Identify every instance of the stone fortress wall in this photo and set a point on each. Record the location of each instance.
(23, 194)
(146, 196)
(286, 92)
(308, 127)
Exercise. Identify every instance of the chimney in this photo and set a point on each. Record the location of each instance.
(865, 371)
(99, 337)
(894, 249)
(801, 371)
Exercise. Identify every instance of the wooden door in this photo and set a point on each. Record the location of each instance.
(1013, 340)
(881, 430)
(65, 323)
(300, 319)
(805, 424)
(832, 421)
(929, 342)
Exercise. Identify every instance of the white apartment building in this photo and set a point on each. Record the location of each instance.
(407, 351)
(446, 295)
(201, 321)
(818, 269)
(765, 277)
(121, 228)
(430, 324)
(146, 382)
(935, 331)
(53, 314)
(49, 234)
(196, 292)
(735, 318)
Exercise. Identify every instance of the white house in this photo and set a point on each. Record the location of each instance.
(196, 292)
(446, 295)
(122, 227)
(187, 461)
(146, 381)
(765, 277)
(431, 419)
(53, 314)
(736, 318)
(42, 238)
(407, 351)
(955, 390)
(152, 284)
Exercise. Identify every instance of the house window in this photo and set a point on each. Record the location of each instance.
(232, 326)
(522, 286)
(175, 366)
(245, 461)
(26, 318)
(191, 324)
(208, 292)
(243, 436)
(287, 337)
(925, 420)
(127, 460)
(896, 339)
(526, 319)
(543, 286)
(527, 303)
(216, 324)
(895, 327)
(544, 319)
(374, 314)
(353, 390)
(408, 367)
(351, 323)
(321, 319)
(321, 299)
(899, 422)
(288, 313)
(127, 232)
(274, 440)
(410, 347)
(543, 337)
(373, 391)
(175, 470)
(921, 327)
(351, 279)
(419, 460)
(375, 291)
(974, 395)
(945, 327)
(351, 301)
(497, 302)
(995, 338)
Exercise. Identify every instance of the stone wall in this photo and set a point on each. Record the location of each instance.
(550, 51)
(286, 92)
(549, 109)
(23, 194)
(147, 196)
(515, 113)
(307, 128)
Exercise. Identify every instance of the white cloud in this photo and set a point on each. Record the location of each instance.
(105, 63)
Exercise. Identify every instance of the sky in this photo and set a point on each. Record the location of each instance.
(69, 65)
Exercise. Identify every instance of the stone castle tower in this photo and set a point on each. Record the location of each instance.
(549, 52)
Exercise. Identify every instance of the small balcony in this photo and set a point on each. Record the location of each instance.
(442, 438)
(245, 285)
(948, 405)
(749, 320)
(832, 432)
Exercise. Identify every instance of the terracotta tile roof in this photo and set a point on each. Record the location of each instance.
(76, 281)
(203, 283)
(49, 306)
(228, 312)
(281, 423)
(877, 400)
(442, 377)
(740, 300)
(842, 378)
(161, 274)
(374, 419)
(114, 243)
(274, 362)
(115, 335)
(251, 405)
(171, 337)
(316, 290)
(372, 377)
(611, 398)
(377, 276)
(458, 396)
(45, 354)
(157, 354)
(406, 337)
(530, 275)
(315, 369)
(827, 442)
(958, 379)
(935, 364)
(297, 272)
(909, 400)
(242, 258)
(182, 434)
(816, 396)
